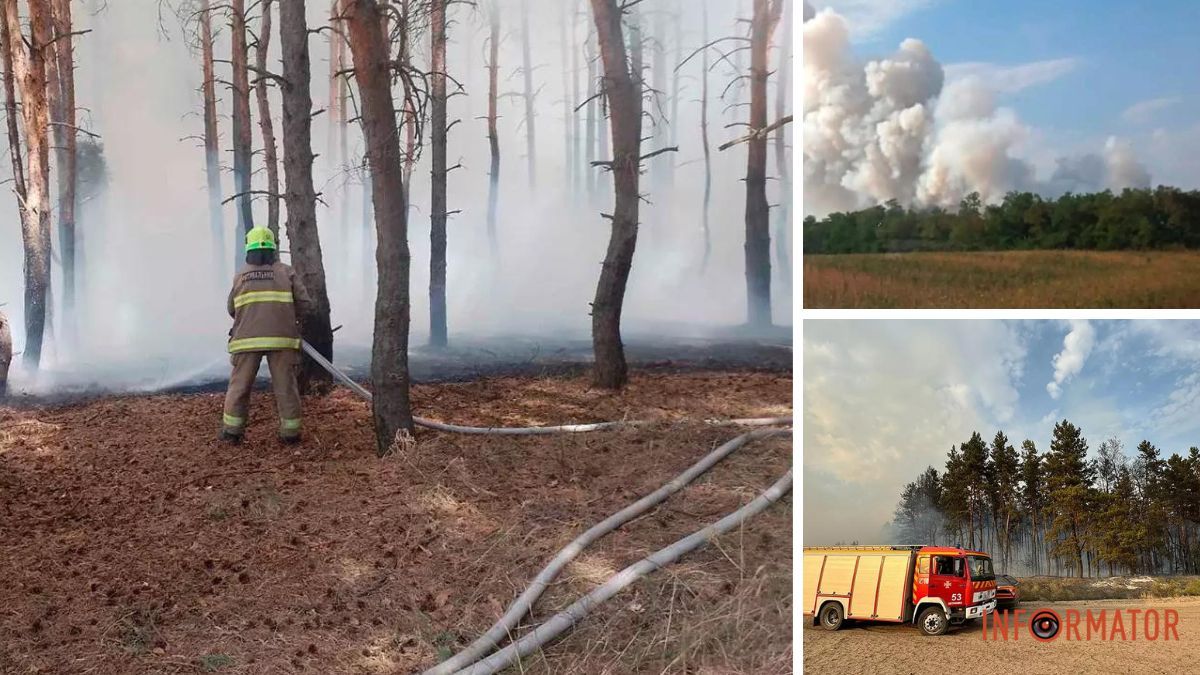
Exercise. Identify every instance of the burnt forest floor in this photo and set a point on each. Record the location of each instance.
(131, 540)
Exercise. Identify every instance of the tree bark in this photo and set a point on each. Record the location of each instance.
(300, 197)
(5, 353)
(65, 146)
(389, 353)
(783, 164)
(758, 234)
(493, 68)
(11, 115)
(264, 119)
(527, 71)
(622, 85)
(241, 124)
(29, 69)
(437, 199)
(212, 150)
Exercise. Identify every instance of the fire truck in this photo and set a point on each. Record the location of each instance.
(932, 586)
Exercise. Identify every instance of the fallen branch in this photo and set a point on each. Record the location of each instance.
(757, 133)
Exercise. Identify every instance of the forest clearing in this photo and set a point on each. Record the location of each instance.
(530, 399)
(1003, 279)
(152, 548)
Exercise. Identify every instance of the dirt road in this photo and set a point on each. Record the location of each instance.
(865, 648)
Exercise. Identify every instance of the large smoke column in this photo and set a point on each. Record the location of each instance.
(895, 128)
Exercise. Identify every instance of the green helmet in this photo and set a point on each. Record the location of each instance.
(260, 237)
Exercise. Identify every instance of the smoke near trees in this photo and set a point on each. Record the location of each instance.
(1062, 510)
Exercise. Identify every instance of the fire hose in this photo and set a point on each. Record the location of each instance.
(561, 622)
(518, 431)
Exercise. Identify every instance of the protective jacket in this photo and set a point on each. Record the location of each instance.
(262, 303)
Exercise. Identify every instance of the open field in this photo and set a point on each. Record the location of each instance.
(863, 647)
(134, 543)
(1014, 279)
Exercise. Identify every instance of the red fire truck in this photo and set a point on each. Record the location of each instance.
(931, 586)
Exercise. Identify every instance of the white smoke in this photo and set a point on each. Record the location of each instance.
(894, 128)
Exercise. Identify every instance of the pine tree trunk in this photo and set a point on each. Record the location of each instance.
(527, 72)
(212, 150)
(29, 69)
(576, 150)
(264, 120)
(622, 84)
(437, 200)
(758, 235)
(493, 68)
(66, 145)
(568, 115)
(5, 351)
(658, 82)
(389, 354)
(241, 125)
(299, 195)
(590, 121)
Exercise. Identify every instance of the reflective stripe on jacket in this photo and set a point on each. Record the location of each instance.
(262, 303)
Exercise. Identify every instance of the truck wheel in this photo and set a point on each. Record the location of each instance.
(831, 616)
(932, 621)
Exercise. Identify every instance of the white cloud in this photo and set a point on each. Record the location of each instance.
(1142, 111)
(1077, 345)
(1009, 79)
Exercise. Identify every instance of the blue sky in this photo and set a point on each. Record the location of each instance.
(885, 399)
(1090, 69)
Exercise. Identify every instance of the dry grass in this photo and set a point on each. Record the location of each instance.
(135, 543)
(1055, 589)
(1012, 279)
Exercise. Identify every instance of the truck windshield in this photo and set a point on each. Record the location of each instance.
(981, 568)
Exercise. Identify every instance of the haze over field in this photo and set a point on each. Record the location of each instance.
(924, 102)
(152, 297)
(885, 399)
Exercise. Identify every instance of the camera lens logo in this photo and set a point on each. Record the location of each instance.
(1044, 625)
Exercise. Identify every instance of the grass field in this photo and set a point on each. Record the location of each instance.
(1015, 279)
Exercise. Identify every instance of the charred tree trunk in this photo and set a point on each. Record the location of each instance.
(622, 85)
(300, 197)
(5, 354)
(704, 228)
(389, 353)
(783, 211)
(241, 124)
(527, 71)
(29, 68)
(264, 119)
(493, 68)
(437, 197)
(758, 234)
(65, 147)
(212, 150)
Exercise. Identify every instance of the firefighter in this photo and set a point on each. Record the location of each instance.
(263, 304)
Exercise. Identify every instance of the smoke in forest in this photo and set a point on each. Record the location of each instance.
(899, 128)
(152, 286)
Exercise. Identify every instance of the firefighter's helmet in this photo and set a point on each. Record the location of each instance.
(260, 237)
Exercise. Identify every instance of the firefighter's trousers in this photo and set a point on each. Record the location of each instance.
(283, 364)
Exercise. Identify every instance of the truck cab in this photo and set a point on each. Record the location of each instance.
(958, 582)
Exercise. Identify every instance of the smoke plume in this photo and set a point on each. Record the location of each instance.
(895, 128)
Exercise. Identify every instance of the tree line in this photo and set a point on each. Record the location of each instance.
(1061, 511)
(1163, 217)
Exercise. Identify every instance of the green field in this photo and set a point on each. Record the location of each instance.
(1007, 279)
